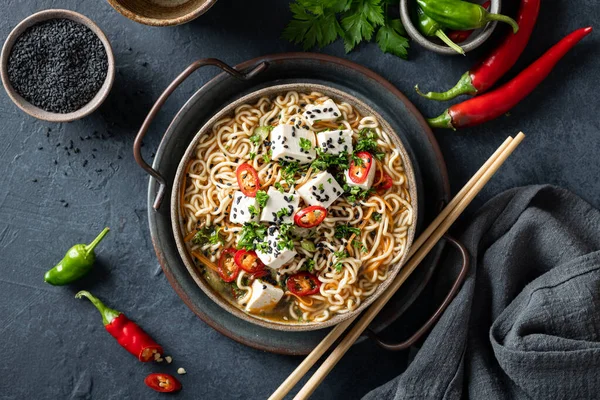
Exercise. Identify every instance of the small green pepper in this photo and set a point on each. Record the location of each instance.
(78, 261)
(428, 27)
(462, 15)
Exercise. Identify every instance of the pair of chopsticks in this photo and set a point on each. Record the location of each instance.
(420, 248)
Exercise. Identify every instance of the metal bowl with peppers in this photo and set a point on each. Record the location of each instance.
(451, 27)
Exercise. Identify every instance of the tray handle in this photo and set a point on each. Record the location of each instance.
(137, 144)
(438, 313)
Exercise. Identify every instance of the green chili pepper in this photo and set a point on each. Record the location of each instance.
(462, 15)
(429, 27)
(78, 261)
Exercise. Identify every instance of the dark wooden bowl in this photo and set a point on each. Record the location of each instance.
(153, 12)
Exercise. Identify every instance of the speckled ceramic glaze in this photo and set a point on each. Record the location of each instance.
(36, 111)
(161, 12)
(430, 171)
(477, 38)
(271, 92)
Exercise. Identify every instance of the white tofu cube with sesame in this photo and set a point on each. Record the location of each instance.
(367, 182)
(277, 203)
(289, 143)
(264, 296)
(322, 190)
(240, 213)
(272, 257)
(328, 111)
(335, 142)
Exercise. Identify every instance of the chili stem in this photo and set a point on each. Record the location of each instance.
(99, 238)
(503, 18)
(108, 314)
(464, 86)
(444, 38)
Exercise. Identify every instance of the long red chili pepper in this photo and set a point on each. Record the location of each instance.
(498, 62)
(498, 102)
(128, 333)
(461, 36)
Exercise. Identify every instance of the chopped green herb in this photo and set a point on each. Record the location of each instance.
(253, 211)
(251, 232)
(207, 235)
(267, 157)
(338, 267)
(252, 155)
(345, 231)
(355, 194)
(285, 229)
(305, 144)
(310, 265)
(376, 216)
(285, 237)
(326, 161)
(261, 198)
(321, 187)
(283, 212)
(340, 254)
(279, 187)
(289, 170)
(262, 246)
(329, 180)
(357, 244)
(367, 141)
(359, 162)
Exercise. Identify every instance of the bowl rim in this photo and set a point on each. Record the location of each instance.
(126, 12)
(176, 191)
(478, 37)
(37, 112)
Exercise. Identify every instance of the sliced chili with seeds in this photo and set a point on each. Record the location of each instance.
(163, 383)
(247, 178)
(303, 284)
(359, 173)
(310, 217)
(249, 261)
(228, 269)
(386, 182)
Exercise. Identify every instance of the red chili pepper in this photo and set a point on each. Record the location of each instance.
(228, 270)
(247, 178)
(128, 333)
(386, 183)
(248, 261)
(310, 217)
(163, 383)
(461, 36)
(303, 284)
(498, 102)
(487, 72)
(359, 173)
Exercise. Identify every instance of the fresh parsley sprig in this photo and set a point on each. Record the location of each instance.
(321, 22)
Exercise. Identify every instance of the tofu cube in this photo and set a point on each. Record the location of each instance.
(322, 190)
(286, 143)
(335, 142)
(278, 201)
(273, 257)
(367, 183)
(240, 213)
(264, 296)
(327, 111)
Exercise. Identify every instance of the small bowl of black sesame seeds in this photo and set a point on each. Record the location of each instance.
(57, 65)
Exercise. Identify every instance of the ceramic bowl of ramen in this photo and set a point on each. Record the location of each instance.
(294, 207)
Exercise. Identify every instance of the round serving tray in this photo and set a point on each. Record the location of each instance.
(432, 179)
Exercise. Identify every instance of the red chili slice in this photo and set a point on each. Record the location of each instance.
(359, 173)
(247, 178)
(310, 217)
(248, 261)
(228, 269)
(303, 284)
(386, 183)
(163, 383)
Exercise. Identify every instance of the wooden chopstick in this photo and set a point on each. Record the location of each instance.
(336, 332)
(410, 266)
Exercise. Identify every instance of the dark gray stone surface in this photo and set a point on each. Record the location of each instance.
(54, 346)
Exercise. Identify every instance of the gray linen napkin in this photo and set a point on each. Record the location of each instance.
(526, 323)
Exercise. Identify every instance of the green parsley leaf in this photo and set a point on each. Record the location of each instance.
(252, 155)
(321, 187)
(305, 144)
(313, 23)
(290, 169)
(360, 21)
(283, 212)
(357, 244)
(267, 157)
(345, 231)
(310, 265)
(279, 187)
(355, 194)
(207, 235)
(253, 210)
(325, 161)
(340, 254)
(338, 267)
(261, 198)
(390, 39)
(251, 232)
(376, 216)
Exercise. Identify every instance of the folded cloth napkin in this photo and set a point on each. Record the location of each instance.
(526, 323)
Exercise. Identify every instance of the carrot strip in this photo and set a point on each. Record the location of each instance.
(189, 236)
(300, 299)
(205, 261)
(349, 247)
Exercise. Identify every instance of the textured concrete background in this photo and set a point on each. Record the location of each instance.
(54, 346)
